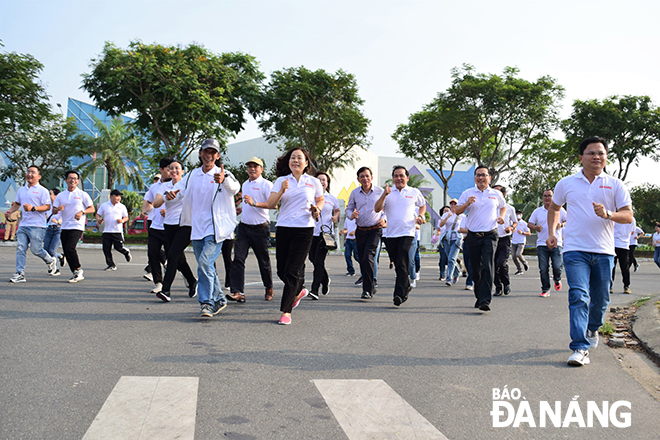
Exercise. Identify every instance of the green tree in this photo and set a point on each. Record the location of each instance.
(316, 110)
(133, 203)
(645, 203)
(498, 119)
(630, 124)
(181, 95)
(427, 138)
(117, 150)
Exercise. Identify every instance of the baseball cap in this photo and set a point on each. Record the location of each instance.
(255, 160)
(210, 143)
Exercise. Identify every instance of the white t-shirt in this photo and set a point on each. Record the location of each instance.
(110, 214)
(482, 214)
(519, 238)
(259, 189)
(509, 220)
(585, 231)
(36, 196)
(202, 200)
(350, 226)
(452, 225)
(636, 231)
(540, 218)
(172, 207)
(656, 239)
(74, 202)
(401, 208)
(331, 203)
(157, 219)
(296, 201)
(622, 233)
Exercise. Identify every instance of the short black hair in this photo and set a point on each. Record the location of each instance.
(66, 175)
(480, 167)
(37, 167)
(592, 140)
(362, 169)
(502, 188)
(165, 162)
(55, 190)
(400, 167)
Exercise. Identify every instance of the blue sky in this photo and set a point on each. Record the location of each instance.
(401, 52)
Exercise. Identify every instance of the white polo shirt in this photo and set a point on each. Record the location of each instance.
(110, 214)
(296, 201)
(172, 207)
(401, 207)
(350, 226)
(540, 218)
(482, 214)
(259, 189)
(74, 202)
(157, 219)
(331, 203)
(585, 231)
(636, 231)
(519, 238)
(622, 233)
(509, 220)
(36, 196)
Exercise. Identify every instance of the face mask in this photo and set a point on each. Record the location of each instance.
(519, 217)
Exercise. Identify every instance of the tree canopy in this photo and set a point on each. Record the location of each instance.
(180, 95)
(645, 203)
(630, 124)
(317, 110)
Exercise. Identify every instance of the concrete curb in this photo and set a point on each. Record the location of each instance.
(646, 327)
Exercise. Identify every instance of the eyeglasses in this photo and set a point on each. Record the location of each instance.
(547, 196)
(595, 153)
(481, 175)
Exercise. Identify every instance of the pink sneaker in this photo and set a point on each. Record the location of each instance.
(285, 320)
(303, 293)
(557, 285)
(544, 294)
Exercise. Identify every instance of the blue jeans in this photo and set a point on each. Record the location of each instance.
(452, 259)
(350, 252)
(442, 249)
(545, 255)
(414, 248)
(208, 284)
(34, 237)
(52, 240)
(656, 256)
(588, 275)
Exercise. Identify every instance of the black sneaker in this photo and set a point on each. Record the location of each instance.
(313, 295)
(325, 289)
(507, 290)
(192, 289)
(526, 266)
(219, 307)
(366, 295)
(62, 261)
(359, 281)
(398, 301)
(484, 307)
(498, 292)
(128, 257)
(164, 296)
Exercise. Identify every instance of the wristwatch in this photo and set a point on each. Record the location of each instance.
(609, 214)
(254, 203)
(33, 209)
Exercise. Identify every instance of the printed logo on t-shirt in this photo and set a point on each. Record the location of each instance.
(605, 187)
(309, 184)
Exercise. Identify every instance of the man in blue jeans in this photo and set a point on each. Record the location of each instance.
(538, 222)
(595, 202)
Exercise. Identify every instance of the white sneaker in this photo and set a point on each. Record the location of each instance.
(77, 276)
(418, 277)
(147, 276)
(57, 273)
(413, 283)
(592, 337)
(157, 288)
(17, 278)
(579, 358)
(52, 266)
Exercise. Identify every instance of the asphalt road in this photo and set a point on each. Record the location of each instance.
(64, 347)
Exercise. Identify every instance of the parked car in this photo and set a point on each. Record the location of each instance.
(139, 226)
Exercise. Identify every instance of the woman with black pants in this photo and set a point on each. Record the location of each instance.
(317, 252)
(302, 200)
(178, 237)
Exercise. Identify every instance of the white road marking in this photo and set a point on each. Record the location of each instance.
(370, 409)
(148, 408)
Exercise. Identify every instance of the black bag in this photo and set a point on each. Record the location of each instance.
(327, 238)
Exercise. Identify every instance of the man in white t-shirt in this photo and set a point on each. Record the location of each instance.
(112, 215)
(595, 202)
(74, 204)
(485, 209)
(253, 232)
(34, 200)
(622, 234)
(518, 241)
(503, 250)
(634, 236)
(208, 207)
(538, 222)
(405, 207)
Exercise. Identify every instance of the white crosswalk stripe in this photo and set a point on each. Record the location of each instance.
(370, 409)
(148, 408)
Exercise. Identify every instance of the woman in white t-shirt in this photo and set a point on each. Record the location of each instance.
(317, 252)
(302, 200)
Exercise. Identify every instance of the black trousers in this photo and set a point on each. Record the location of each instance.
(70, 238)
(257, 238)
(161, 257)
(292, 247)
(317, 254)
(110, 239)
(227, 247)
(481, 247)
(178, 238)
(622, 258)
(155, 244)
(367, 244)
(398, 248)
(631, 256)
(502, 253)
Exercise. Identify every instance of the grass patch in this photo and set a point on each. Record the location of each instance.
(641, 301)
(606, 329)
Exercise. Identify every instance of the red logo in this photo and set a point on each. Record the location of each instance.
(606, 187)
(309, 184)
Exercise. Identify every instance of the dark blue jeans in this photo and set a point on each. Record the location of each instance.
(350, 252)
(546, 255)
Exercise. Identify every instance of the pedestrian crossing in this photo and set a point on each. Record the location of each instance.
(146, 408)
